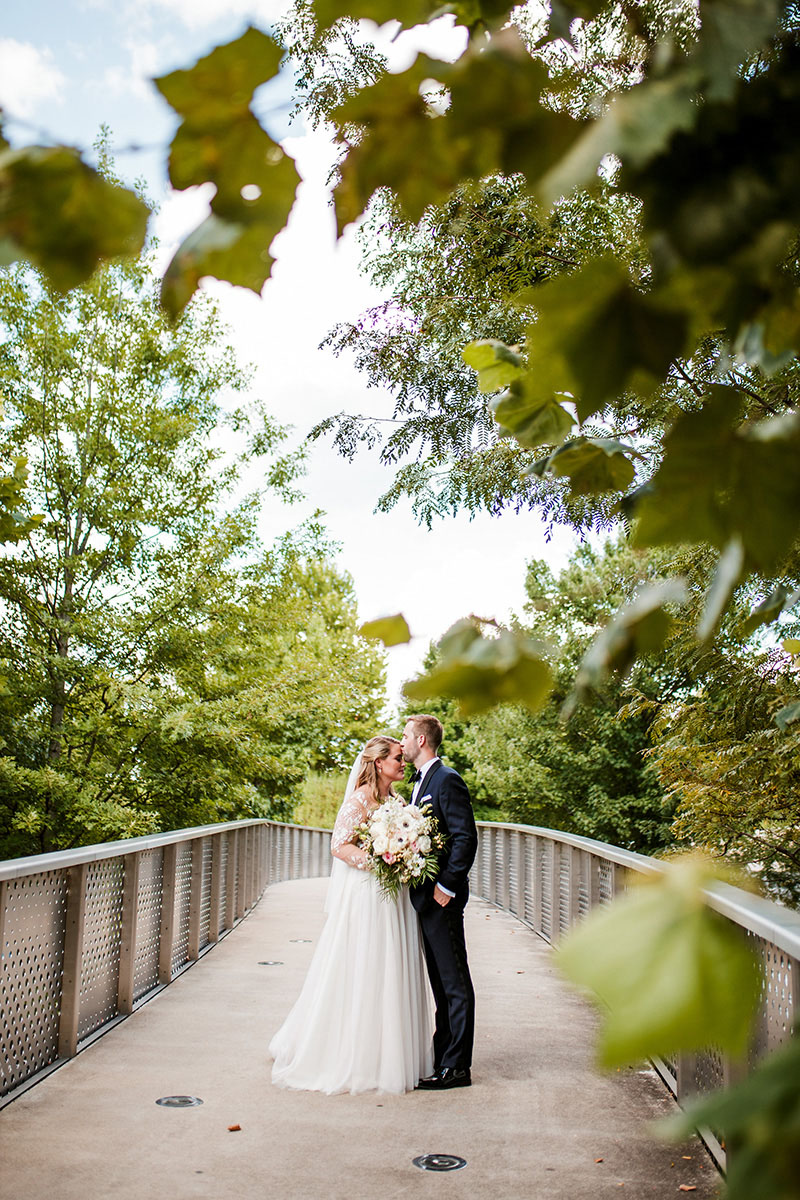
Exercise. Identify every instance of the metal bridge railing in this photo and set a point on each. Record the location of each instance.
(88, 935)
(550, 880)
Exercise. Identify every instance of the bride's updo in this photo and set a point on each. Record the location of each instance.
(376, 749)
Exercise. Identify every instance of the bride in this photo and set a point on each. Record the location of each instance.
(363, 1019)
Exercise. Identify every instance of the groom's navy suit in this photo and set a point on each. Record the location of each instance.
(443, 926)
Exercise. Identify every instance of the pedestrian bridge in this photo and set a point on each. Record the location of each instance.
(100, 941)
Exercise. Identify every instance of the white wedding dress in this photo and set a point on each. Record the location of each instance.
(364, 1018)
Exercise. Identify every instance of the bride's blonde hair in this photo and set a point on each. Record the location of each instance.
(376, 749)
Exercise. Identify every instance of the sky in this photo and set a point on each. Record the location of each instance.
(68, 66)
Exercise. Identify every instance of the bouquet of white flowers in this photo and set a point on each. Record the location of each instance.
(402, 842)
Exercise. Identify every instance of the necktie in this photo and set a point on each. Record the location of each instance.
(415, 778)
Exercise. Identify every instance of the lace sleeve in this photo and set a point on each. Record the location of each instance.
(351, 814)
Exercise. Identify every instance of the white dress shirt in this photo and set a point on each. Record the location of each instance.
(423, 771)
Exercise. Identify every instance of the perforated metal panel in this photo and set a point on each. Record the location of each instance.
(709, 1071)
(606, 881)
(485, 854)
(563, 889)
(183, 901)
(223, 883)
(529, 875)
(584, 884)
(205, 894)
(516, 900)
(779, 999)
(148, 929)
(101, 944)
(31, 961)
(545, 868)
(297, 853)
(500, 864)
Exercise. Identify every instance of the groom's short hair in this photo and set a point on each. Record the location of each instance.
(430, 727)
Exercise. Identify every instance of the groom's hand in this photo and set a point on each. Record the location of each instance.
(441, 897)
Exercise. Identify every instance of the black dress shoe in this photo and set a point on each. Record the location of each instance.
(448, 1077)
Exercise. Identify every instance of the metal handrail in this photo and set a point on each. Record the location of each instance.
(752, 912)
(550, 880)
(15, 868)
(88, 935)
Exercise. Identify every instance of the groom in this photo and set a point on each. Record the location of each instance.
(440, 903)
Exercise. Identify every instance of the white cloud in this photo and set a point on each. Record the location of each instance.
(28, 76)
(134, 78)
(196, 14)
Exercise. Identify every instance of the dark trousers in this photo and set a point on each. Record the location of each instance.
(446, 959)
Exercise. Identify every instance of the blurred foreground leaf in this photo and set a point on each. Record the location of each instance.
(497, 364)
(220, 141)
(641, 627)
(722, 479)
(61, 215)
(596, 335)
(495, 123)
(481, 672)
(769, 609)
(392, 631)
(675, 975)
(532, 419)
(787, 715)
(727, 575)
(760, 1120)
(592, 465)
(412, 12)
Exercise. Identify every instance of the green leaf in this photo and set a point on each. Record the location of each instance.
(787, 715)
(719, 480)
(482, 672)
(412, 12)
(730, 31)
(760, 1119)
(494, 124)
(768, 610)
(62, 216)
(562, 15)
(791, 645)
(596, 336)
(497, 364)
(392, 631)
(222, 249)
(593, 465)
(220, 86)
(640, 627)
(635, 127)
(739, 212)
(675, 975)
(220, 141)
(532, 421)
(727, 575)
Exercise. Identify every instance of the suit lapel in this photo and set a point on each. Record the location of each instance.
(426, 785)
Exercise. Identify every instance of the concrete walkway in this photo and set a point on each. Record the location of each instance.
(538, 1121)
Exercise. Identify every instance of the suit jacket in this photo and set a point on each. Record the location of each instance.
(445, 791)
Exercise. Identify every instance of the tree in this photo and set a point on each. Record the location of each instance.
(161, 667)
(455, 277)
(588, 775)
